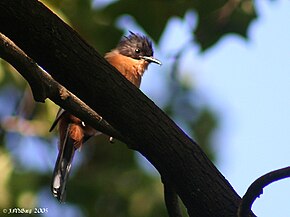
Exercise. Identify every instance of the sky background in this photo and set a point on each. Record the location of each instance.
(247, 82)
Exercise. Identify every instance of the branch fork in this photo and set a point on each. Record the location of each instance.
(43, 86)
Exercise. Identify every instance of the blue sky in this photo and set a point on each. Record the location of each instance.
(248, 84)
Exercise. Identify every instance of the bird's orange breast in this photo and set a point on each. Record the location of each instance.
(131, 68)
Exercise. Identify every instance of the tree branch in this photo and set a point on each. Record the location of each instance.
(44, 86)
(171, 199)
(256, 189)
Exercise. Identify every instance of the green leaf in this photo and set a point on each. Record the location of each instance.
(151, 15)
(223, 17)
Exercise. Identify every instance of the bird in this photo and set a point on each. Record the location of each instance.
(131, 58)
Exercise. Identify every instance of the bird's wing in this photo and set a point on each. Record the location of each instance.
(60, 112)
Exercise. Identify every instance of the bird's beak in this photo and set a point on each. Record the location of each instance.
(151, 60)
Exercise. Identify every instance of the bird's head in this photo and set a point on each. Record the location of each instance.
(137, 47)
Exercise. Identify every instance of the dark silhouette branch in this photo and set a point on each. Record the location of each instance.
(83, 71)
(256, 189)
(43, 86)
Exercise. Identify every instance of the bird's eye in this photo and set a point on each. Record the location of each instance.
(137, 50)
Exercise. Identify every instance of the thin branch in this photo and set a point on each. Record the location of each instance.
(44, 86)
(256, 189)
(171, 199)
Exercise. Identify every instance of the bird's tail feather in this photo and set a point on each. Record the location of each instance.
(62, 169)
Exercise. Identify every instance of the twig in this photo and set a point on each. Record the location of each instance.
(44, 86)
(256, 189)
(171, 199)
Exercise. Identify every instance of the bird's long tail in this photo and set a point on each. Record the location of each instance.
(62, 168)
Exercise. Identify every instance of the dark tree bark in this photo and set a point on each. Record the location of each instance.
(256, 189)
(78, 66)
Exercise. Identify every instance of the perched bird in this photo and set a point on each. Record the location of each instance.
(131, 57)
